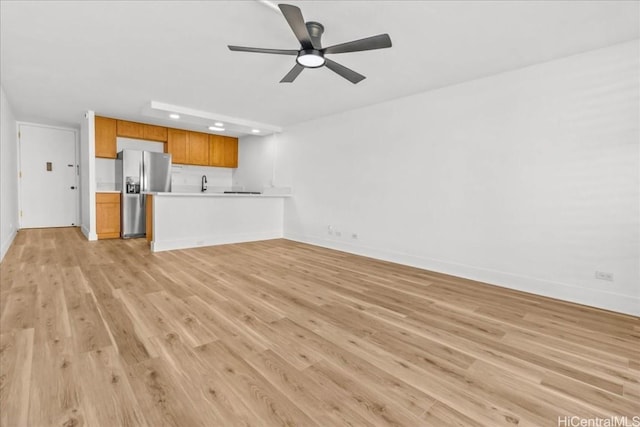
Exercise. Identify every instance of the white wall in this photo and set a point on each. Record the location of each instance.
(8, 175)
(260, 168)
(527, 179)
(256, 157)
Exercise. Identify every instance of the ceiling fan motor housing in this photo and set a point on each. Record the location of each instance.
(315, 32)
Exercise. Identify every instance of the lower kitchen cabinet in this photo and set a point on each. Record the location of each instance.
(108, 215)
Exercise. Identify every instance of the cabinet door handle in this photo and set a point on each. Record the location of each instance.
(73, 188)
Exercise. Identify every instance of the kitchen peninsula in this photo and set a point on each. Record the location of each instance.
(187, 220)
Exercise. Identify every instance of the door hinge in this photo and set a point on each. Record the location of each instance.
(20, 174)
(21, 214)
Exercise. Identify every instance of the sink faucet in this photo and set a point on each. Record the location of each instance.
(204, 183)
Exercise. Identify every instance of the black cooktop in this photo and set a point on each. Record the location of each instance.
(242, 192)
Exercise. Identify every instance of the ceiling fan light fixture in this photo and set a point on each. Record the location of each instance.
(311, 53)
(310, 58)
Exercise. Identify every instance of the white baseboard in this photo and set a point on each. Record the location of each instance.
(626, 304)
(7, 244)
(88, 234)
(197, 242)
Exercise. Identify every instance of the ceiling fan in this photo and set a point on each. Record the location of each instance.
(311, 53)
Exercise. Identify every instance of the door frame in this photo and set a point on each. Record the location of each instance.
(77, 162)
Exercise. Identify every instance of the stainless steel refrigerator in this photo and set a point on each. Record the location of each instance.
(139, 172)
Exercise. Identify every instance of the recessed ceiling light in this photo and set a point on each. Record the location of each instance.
(255, 130)
(174, 116)
(219, 124)
(216, 128)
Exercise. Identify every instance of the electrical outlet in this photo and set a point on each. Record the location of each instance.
(330, 229)
(603, 275)
(354, 236)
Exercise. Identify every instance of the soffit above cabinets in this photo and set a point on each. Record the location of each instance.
(200, 121)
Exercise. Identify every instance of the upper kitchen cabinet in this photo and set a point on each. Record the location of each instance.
(198, 148)
(230, 152)
(142, 131)
(154, 133)
(223, 151)
(177, 141)
(130, 129)
(106, 130)
(187, 147)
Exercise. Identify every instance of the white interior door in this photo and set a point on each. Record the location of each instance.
(49, 182)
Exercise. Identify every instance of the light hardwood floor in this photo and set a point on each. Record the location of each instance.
(281, 333)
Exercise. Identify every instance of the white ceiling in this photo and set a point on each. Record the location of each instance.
(59, 59)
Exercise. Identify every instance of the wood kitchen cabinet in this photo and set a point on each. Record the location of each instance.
(188, 148)
(142, 131)
(105, 143)
(130, 129)
(154, 133)
(223, 151)
(177, 140)
(198, 148)
(230, 152)
(216, 150)
(108, 215)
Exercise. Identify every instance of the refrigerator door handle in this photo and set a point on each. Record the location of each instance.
(142, 182)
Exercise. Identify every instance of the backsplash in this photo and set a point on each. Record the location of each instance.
(184, 178)
(188, 179)
(105, 174)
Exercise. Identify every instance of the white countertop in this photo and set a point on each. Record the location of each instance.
(200, 194)
(108, 191)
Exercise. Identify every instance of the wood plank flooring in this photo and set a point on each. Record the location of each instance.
(280, 333)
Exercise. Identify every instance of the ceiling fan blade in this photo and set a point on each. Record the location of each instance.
(291, 75)
(261, 50)
(345, 72)
(380, 41)
(293, 15)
